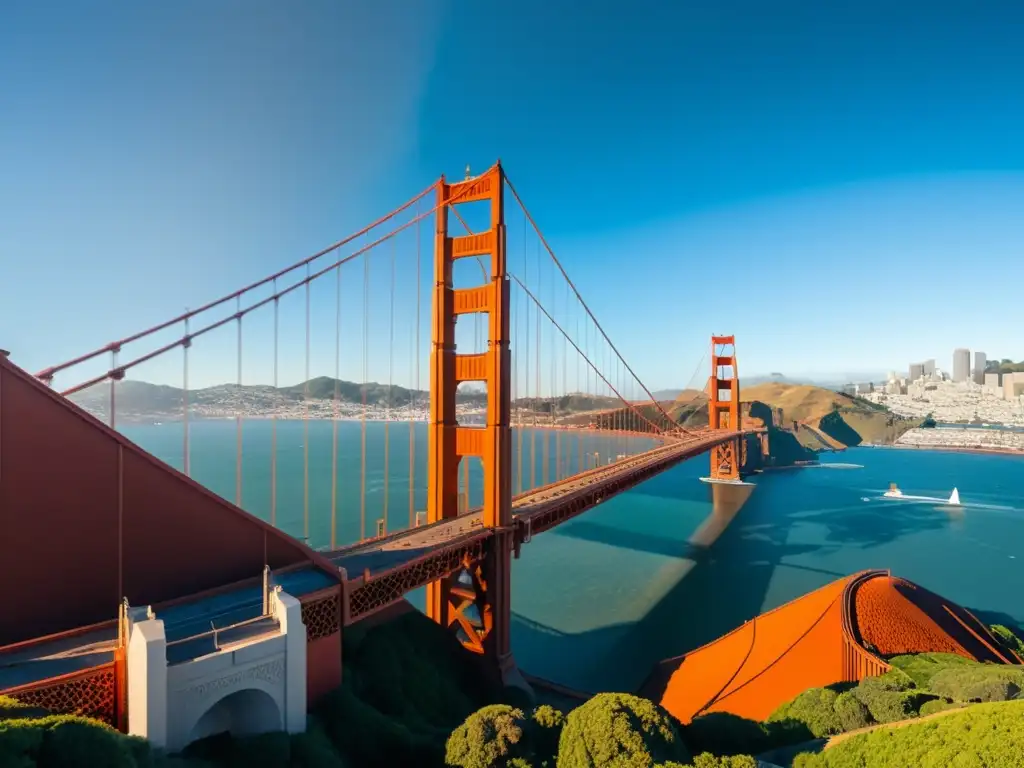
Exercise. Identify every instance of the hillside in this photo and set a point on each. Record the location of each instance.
(141, 401)
(823, 419)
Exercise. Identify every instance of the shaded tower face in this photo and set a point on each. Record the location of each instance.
(961, 364)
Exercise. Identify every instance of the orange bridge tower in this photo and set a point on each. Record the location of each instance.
(727, 459)
(476, 600)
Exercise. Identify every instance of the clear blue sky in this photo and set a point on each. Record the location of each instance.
(841, 185)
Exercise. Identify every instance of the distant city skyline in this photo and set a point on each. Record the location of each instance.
(787, 178)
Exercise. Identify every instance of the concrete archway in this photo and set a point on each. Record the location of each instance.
(242, 713)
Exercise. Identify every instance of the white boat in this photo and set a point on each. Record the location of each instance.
(893, 492)
(954, 498)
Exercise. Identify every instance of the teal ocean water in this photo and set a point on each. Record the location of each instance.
(600, 599)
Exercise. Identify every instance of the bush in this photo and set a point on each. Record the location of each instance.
(813, 709)
(14, 709)
(852, 712)
(707, 760)
(723, 733)
(370, 738)
(547, 724)
(489, 738)
(979, 682)
(621, 730)
(1008, 639)
(936, 705)
(73, 742)
(988, 734)
(889, 697)
(922, 667)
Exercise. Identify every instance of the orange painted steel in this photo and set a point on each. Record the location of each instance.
(487, 588)
(723, 408)
(440, 549)
(129, 525)
(816, 640)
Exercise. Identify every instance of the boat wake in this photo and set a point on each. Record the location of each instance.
(838, 465)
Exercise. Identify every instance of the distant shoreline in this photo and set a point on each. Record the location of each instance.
(952, 449)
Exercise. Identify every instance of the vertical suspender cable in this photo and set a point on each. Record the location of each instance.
(305, 427)
(335, 407)
(238, 412)
(391, 379)
(273, 418)
(416, 391)
(184, 399)
(112, 416)
(366, 344)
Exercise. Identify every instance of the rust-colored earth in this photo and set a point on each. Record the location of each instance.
(840, 632)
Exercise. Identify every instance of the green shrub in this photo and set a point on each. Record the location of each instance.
(370, 738)
(621, 730)
(707, 760)
(313, 749)
(77, 742)
(889, 697)
(723, 733)
(852, 712)
(936, 705)
(979, 682)
(14, 709)
(1008, 638)
(814, 709)
(990, 735)
(547, 724)
(489, 738)
(922, 667)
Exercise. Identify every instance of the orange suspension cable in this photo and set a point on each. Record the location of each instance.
(554, 258)
(334, 408)
(541, 309)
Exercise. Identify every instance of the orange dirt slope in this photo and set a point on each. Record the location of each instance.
(817, 640)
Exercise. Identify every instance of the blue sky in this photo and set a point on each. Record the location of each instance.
(840, 185)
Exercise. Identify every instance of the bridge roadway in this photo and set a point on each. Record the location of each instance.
(380, 571)
(396, 564)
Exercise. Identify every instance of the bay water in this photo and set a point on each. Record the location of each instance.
(600, 599)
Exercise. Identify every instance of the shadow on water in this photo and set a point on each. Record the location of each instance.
(729, 580)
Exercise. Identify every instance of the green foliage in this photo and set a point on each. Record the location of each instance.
(990, 735)
(12, 708)
(980, 682)
(890, 697)
(547, 724)
(922, 667)
(707, 760)
(936, 705)
(62, 741)
(928, 423)
(1008, 638)
(852, 712)
(313, 749)
(621, 730)
(723, 733)
(489, 738)
(813, 709)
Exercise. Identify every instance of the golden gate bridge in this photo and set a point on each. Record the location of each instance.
(94, 524)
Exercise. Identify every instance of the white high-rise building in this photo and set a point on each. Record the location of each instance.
(979, 367)
(961, 364)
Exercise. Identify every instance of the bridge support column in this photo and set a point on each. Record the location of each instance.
(728, 458)
(476, 600)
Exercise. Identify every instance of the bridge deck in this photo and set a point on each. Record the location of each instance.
(538, 506)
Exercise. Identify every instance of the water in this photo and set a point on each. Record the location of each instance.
(598, 600)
